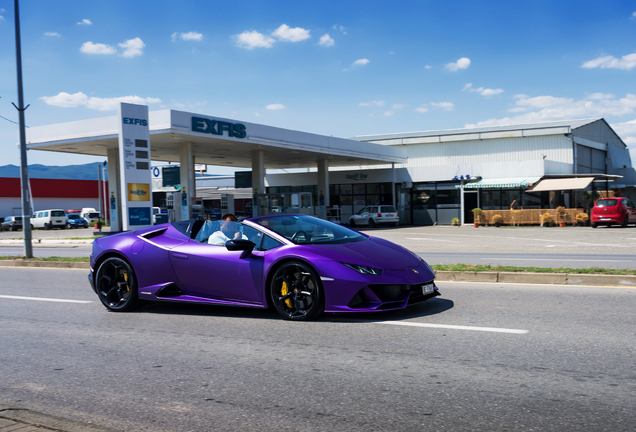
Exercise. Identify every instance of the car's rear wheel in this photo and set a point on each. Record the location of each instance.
(117, 285)
(594, 225)
(296, 292)
(12, 228)
(372, 223)
(625, 222)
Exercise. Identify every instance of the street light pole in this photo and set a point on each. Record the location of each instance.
(24, 174)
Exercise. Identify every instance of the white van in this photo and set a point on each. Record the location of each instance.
(48, 219)
(90, 214)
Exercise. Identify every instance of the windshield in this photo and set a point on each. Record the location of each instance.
(302, 229)
(57, 213)
(73, 216)
(93, 215)
(607, 203)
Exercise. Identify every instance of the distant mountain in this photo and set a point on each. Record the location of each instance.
(71, 172)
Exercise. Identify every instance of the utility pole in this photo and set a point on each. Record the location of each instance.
(24, 174)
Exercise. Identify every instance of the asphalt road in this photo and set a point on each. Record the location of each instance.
(578, 247)
(482, 357)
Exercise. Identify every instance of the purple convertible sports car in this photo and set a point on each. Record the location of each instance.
(300, 265)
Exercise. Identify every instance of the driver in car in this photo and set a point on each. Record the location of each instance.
(230, 230)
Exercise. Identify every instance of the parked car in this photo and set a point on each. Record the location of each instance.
(90, 214)
(11, 223)
(49, 219)
(300, 265)
(375, 215)
(74, 220)
(613, 211)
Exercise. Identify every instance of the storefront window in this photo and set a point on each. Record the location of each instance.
(345, 189)
(447, 196)
(491, 199)
(510, 195)
(359, 189)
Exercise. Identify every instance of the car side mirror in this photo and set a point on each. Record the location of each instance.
(240, 245)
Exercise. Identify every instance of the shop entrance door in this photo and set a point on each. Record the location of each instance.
(471, 201)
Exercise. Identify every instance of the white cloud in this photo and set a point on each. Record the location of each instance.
(258, 114)
(482, 91)
(360, 62)
(633, 16)
(189, 36)
(1, 18)
(85, 22)
(626, 62)
(287, 34)
(253, 39)
(132, 47)
(66, 100)
(372, 104)
(423, 108)
(52, 34)
(341, 28)
(326, 41)
(398, 106)
(447, 106)
(549, 108)
(428, 67)
(275, 107)
(97, 48)
(462, 63)
(596, 96)
(388, 113)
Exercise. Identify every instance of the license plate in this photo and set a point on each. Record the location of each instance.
(606, 219)
(427, 289)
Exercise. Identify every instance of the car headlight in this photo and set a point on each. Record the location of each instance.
(364, 269)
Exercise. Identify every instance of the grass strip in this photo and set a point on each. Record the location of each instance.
(59, 259)
(492, 268)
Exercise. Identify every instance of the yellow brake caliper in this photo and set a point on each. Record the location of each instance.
(126, 279)
(283, 291)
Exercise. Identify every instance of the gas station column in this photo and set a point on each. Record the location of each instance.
(186, 159)
(113, 200)
(258, 171)
(323, 180)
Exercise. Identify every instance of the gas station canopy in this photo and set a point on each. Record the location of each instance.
(214, 141)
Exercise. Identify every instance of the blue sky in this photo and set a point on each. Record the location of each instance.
(333, 68)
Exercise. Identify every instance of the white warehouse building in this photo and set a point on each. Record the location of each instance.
(450, 172)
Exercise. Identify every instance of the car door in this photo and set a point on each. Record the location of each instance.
(211, 271)
(362, 217)
(631, 210)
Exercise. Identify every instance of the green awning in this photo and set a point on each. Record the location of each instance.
(502, 182)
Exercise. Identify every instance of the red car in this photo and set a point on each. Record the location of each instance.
(618, 210)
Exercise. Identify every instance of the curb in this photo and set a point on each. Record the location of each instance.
(27, 417)
(538, 278)
(45, 264)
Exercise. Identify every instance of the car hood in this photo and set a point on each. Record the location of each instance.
(373, 252)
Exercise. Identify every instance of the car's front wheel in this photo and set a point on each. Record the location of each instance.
(296, 292)
(117, 285)
(352, 223)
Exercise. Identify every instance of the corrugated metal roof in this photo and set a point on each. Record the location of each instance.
(502, 182)
(572, 124)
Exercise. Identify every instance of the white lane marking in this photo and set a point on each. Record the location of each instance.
(424, 238)
(453, 327)
(553, 259)
(44, 299)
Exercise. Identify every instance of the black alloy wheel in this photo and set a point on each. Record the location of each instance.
(68, 225)
(116, 285)
(296, 292)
